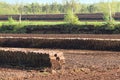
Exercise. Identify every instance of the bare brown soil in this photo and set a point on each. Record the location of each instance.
(104, 36)
(94, 60)
(80, 65)
(8, 74)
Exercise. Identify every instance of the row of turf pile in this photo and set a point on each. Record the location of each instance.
(61, 43)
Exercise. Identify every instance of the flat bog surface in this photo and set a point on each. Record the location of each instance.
(95, 60)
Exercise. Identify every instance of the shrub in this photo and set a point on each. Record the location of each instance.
(11, 20)
(110, 22)
(71, 18)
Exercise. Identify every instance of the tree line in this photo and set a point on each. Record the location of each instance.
(58, 8)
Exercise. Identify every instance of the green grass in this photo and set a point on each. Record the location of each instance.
(91, 23)
(31, 23)
(51, 23)
(47, 23)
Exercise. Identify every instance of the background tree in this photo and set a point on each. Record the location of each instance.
(74, 5)
(20, 9)
(54, 8)
(108, 9)
(91, 8)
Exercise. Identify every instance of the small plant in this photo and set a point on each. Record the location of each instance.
(108, 19)
(86, 23)
(11, 20)
(111, 25)
(71, 18)
(110, 22)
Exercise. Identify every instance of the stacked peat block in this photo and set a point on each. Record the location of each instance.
(38, 58)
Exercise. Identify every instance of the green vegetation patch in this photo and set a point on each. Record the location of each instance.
(62, 28)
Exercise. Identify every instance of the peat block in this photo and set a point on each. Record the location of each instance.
(38, 58)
